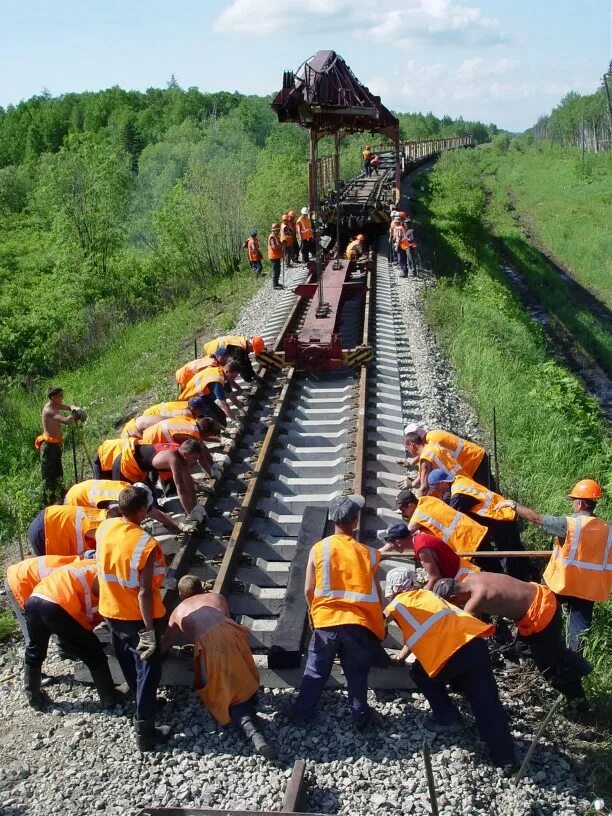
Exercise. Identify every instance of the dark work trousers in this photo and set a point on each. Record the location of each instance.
(98, 473)
(52, 472)
(276, 270)
(288, 252)
(239, 710)
(36, 534)
(45, 618)
(560, 666)
(358, 649)
(580, 617)
(483, 474)
(296, 250)
(256, 267)
(367, 167)
(402, 260)
(506, 536)
(308, 248)
(18, 612)
(142, 676)
(214, 412)
(469, 670)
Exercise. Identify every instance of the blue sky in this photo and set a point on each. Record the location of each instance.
(505, 61)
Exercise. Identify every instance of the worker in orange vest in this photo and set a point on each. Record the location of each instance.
(472, 458)
(64, 529)
(366, 155)
(537, 615)
(275, 255)
(49, 442)
(287, 238)
(449, 646)
(345, 603)
(254, 253)
(356, 248)
(194, 407)
(190, 369)
(292, 224)
(213, 385)
(65, 604)
(579, 571)
(399, 241)
(305, 234)
(131, 570)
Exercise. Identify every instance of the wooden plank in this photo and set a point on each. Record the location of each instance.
(287, 642)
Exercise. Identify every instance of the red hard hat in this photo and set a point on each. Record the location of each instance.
(586, 489)
(361, 237)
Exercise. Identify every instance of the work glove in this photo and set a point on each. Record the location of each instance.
(193, 520)
(216, 471)
(147, 643)
(188, 526)
(79, 414)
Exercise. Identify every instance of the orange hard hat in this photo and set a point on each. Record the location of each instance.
(361, 237)
(586, 489)
(291, 213)
(258, 344)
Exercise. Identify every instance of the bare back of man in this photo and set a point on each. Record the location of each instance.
(489, 593)
(199, 614)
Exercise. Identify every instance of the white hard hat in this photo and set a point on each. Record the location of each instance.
(394, 213)
(149, 493)
(415, 428)
(304, 210)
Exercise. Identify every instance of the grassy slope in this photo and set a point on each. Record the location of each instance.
(568, 204)
(138, 366)
(550, 433)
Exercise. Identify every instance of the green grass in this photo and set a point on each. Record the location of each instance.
(138, 366)
(8, 626)
(567, 202)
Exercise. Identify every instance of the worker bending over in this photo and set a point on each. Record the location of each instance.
(226, 677)
(131, 569)
(239, 348)
(64, 529)
(580, 569)
(213, 385)
(449, 647)
(65, 603)
(194, 408)
(49, 442)
(534, 609)
(356, 248)
(345, 602)
(217, 359)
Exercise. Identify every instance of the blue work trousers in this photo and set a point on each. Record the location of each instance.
(358, 649)
(142, 676)
(246, 709)
(36, 534)
(469, 670)
(402, 260)
(580, 617)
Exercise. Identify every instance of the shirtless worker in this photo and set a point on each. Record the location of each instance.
(49, 442)
(226, 677)
(534, 609)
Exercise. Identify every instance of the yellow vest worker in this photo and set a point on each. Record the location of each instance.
(175, 429)
(130, 430)
(468, 454)
(304, 227)
(72, 588)
(97, 493)
(64, 529)
(487, 500)
(432, 628)
(581, 564)
(344, 597)
(21, 578)
(439, 457)
(201, 384)
(456, 529)
(168, 409)
(356, 248)
(186, 372)
(345, 589)
(228, 341)
(108, 451)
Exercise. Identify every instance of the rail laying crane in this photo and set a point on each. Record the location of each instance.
(325, 97)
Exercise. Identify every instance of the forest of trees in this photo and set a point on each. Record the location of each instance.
(115, 204)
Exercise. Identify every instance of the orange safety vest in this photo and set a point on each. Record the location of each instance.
(123, 549)
(433, 628)
(253, 250)
(353, 250)
(468, 454)
(440, 458)
(130, 469)
(184, 374)
(487, 499)
(168, 409)
(466, 567)
(459, 531)
(168, 429)
(95, 492)
(304, 227)
(581, 565)
(275, 248)
(130, 431)
(199, 384)
(236, 340)
(345, 589)
(109, 450)
(45, 437)
(72, 588)
(24, 576)
(66, 527)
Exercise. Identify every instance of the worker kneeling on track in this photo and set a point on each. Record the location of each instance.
(449, 647)
(534, 609)
(345, 602)
(65, 604)
(226, 677)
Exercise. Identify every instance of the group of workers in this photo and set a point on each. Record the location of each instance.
(371, 161)
(285, 242)
(94, 562)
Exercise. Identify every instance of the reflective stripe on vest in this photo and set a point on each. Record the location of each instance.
(420, 628)
(327, 592)
(572, 561)
(487, 499)
(133, 581)
(442, 458)
(168, 409)
(80, 575)
(456, 529)
(100, 494)
(200, 383)
(446, 531)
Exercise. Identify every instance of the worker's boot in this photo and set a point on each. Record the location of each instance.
(37, 698)
(255, 736)
(149, 735)
(109, 694)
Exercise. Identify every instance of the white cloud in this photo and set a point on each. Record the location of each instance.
(443, 22)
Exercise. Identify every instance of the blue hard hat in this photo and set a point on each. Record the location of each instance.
(394, 532)
(438, 476)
